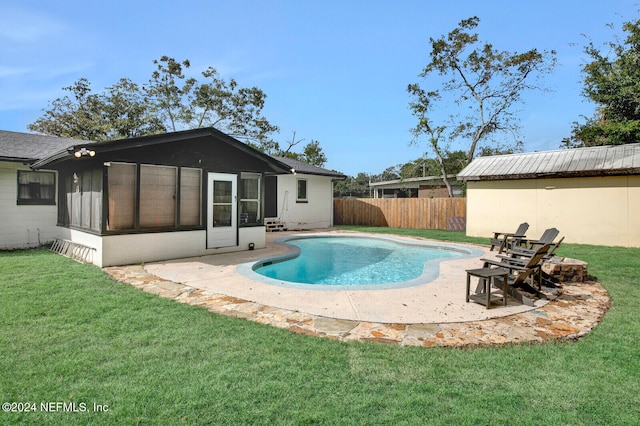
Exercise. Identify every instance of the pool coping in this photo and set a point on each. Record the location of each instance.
(430, 272)
(578, 308)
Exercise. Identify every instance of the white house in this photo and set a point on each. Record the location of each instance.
(302, 200)
(28, 198)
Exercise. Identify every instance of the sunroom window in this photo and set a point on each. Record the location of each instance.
(250, 199)
(158, 186)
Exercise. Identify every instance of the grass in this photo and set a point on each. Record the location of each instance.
(69, 334)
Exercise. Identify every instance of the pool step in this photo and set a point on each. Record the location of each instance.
(274, 225)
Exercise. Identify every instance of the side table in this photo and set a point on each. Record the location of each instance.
(487, 277)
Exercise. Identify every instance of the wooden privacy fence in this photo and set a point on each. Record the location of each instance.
(416, 213)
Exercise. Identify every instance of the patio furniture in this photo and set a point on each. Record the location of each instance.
(503, 240)
(519, 272)
(530, 246)
(521, 255)
(487, 277)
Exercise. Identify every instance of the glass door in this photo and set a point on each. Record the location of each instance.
(222, 216)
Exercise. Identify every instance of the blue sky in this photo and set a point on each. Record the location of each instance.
(333, 71)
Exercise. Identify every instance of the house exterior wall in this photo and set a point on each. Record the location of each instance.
(112, 250)
(23, 226)
(587, 210)
(432, 192)
(317, 212)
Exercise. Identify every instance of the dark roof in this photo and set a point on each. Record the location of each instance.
(591, 161)
(309, 169)
(151, 140)
(29, 147)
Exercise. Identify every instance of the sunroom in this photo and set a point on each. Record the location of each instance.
(160, 197)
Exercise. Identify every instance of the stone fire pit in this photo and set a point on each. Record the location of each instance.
(566, 270)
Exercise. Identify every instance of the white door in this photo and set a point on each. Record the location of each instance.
(222, 210)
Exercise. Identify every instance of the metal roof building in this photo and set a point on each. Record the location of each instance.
(592, 195)
(591, 161)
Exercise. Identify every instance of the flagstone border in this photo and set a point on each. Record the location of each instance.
(577, 310)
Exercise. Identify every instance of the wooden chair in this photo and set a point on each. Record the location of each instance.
(530, 246)
(504, 240)
(520, 256)
(520, 271)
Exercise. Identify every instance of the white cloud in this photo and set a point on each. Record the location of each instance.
(8, 71)
(27, 26)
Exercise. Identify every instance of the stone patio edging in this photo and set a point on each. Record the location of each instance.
(579, 308)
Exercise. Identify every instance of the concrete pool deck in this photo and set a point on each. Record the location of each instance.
(432, 314)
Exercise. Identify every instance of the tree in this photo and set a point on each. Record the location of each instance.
(311, 153)
(187, 103)
(169, 101)
(353, 186)
(613, 84)
(79, 117)
(480, 79)
(127, 113)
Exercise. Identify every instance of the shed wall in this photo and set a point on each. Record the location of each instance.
(590, 210)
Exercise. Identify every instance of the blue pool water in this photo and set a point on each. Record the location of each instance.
(356, 261)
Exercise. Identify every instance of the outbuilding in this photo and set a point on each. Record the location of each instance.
(592, 195)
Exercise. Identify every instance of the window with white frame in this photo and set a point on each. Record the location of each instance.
(250, 199)
(301, 196)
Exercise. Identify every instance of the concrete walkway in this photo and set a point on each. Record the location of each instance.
(433, 314)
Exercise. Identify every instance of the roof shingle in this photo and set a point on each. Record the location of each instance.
(29, 147)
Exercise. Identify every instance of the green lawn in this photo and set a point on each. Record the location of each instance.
(70, 334)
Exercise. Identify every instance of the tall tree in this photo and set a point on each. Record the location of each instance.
(476, 78)
(612, 82)
(79, 116)
(168, 102)
(311, 153)
(128, 113)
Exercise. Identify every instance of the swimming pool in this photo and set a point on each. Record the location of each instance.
(354, 262)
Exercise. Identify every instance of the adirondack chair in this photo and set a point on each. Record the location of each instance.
(520, 256)
(529, 247)
(504, 240)
(520, 273)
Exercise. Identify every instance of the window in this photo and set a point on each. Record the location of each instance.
(190, 197)
(36, 188)
(122, 196)
(81, 200)
(222, 203)
(250, 199)
(138, 197)
(158, 196)
(302, 191)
